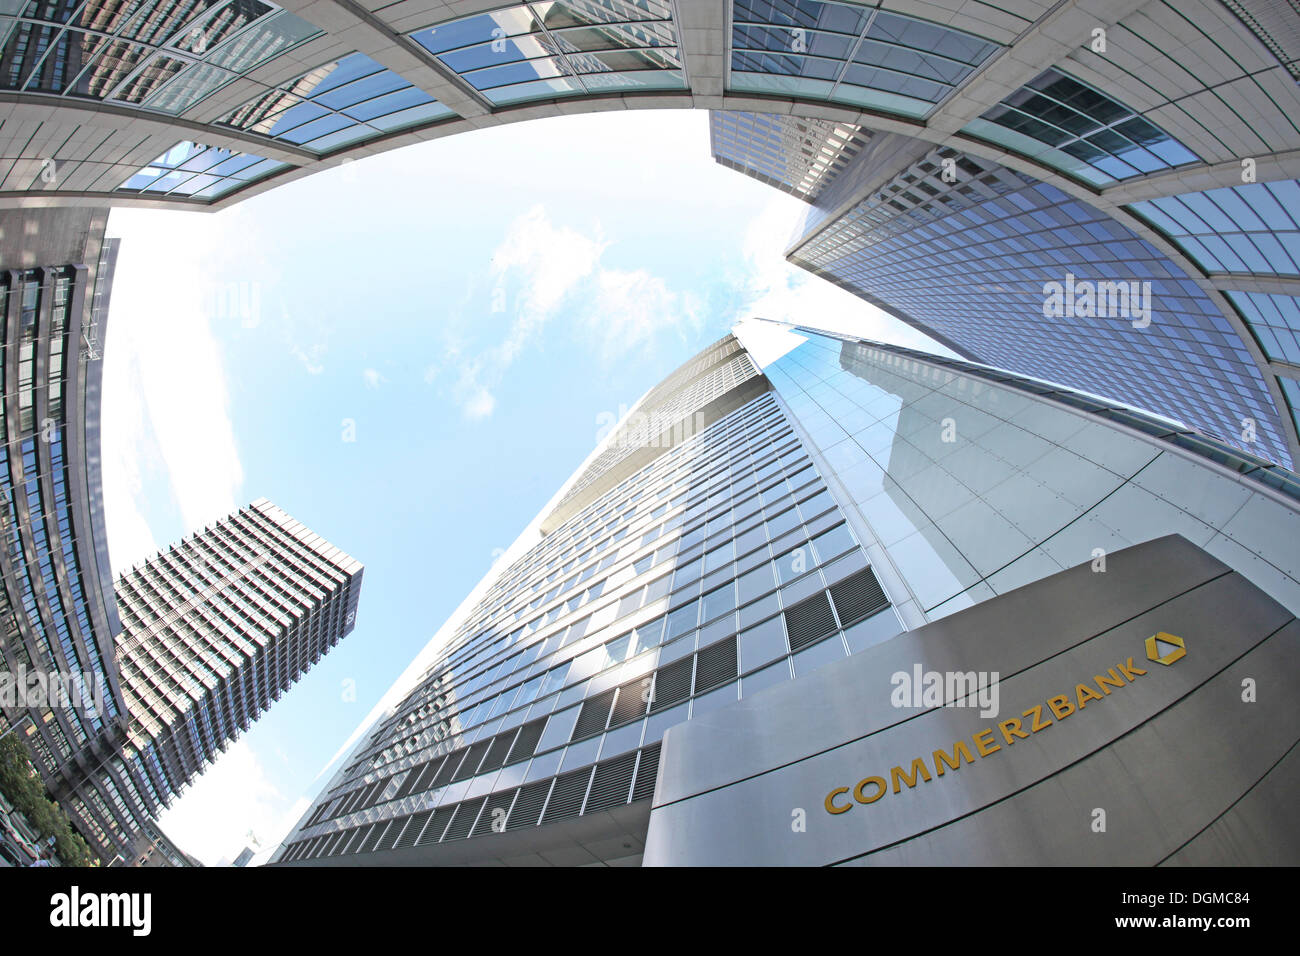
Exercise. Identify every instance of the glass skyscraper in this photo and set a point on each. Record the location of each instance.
(743, 529)
(1098, 199)
(57, 605)
(971, 252)
(678, 559)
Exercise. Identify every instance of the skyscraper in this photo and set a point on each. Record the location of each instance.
(127, 709)
(216, 628)
(1009, 270)
(59, 616)
(512, 721)
(745, 529)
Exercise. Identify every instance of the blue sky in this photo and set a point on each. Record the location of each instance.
(410, 354)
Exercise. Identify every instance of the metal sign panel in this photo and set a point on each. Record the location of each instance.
(1119, 717)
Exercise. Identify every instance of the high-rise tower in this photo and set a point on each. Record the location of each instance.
(758, 548)
(217, 627)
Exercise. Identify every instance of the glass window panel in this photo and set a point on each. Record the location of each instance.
(794, 563)
(391, 103)
(762, 643)
(190, 87)
(682, 620)
(719, 601)
(261, 42)
(644, 80)
(340, 138)
(326, 124)
(550, 70)
(366, 88)
(834, 542)
(756, 583)
(770, 676)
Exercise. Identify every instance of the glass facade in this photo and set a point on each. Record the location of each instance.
(1252, 229)
(198, 171)
(209, 632)
(1081, 131)
(972, 255)
(861, 490)
(163, 57)
(218, 626)
(1248, 230)
(720, 568)
(849, 53)
(796, 155)
(970, 487)
(538, 51)
(340, 104)
(1155, 103)
(52, 619)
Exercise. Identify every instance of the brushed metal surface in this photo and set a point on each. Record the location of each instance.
(1176, 743)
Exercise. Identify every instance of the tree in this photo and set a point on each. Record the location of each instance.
(22, 787)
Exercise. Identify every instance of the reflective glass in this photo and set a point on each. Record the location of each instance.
(337, 105)
(1253, 228)
(177, 171)
(871, 58)
(545, 50)
(1080, 131)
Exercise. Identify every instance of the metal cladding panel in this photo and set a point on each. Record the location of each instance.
(1165, 755)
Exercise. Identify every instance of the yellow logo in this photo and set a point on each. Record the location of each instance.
(1153, 648)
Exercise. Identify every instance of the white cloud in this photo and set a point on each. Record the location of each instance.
(546, 263)
(166, 402)
(628, 309)
(473, 397)
(310, 358)
(538, 271)
(372, 378)
(231, 798)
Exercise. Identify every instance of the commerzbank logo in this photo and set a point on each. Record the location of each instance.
(1156, 641)
(1162, 648)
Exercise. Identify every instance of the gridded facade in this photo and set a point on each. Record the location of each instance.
(721, 567)
(1081, 131)
(216, 628)
(968, 248)
(692, 398)
(872, 489)
(55, 614)
(163, 56)
(851, 53)
(544, 50)
(796, 155)
(97, 89)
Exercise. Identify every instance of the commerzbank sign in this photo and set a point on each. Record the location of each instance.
(1036, 719)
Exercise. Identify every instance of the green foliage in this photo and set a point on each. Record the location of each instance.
(22, 787)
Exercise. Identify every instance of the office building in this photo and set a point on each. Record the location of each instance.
(1012, 271)
(216, 628)
(730, 556)
(59, 613)
(962, 155)
(154, 848)
(210, 632)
